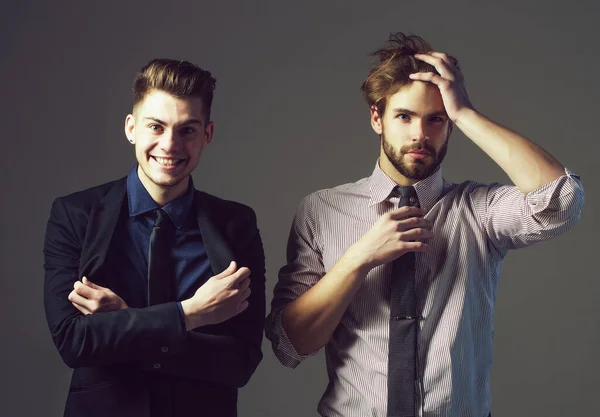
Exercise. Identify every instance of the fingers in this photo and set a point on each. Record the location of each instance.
(418, 233)
(245, 293)
(429, 77)
(90, 284)
(82, 309)
(447, 60)
(238, 297)
(245, 283)
(408, 217)
(241, 295)
(235, 279)
(415, 247)
(242, 306)
(406, 211)
(84, 290)
(441, 62)
(79, 300)
(95, 299)
(450, 61)
(413, 223)
(228, 271)
(243, 300)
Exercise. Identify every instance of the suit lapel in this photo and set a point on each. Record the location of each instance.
(219, 253)
(104, 217)
(100, 229)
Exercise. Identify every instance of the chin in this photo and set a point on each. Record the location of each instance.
(413, 170)
(167, 183)
(165, 180)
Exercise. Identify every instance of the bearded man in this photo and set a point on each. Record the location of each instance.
(396, 274)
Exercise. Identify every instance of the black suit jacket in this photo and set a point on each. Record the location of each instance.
(121, 357)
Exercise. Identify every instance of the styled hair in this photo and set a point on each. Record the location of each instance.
(178, 78)
(394, 62)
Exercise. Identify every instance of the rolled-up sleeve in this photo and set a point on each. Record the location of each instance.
(304, 268)
(513, 220)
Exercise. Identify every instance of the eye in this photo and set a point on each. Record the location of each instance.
(403, 116)
(155, 128)
(187, 130)
(436, 119)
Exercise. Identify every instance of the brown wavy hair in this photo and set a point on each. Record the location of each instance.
(178, 78)
(394, 62)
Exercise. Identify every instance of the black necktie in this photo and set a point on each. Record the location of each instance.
(161, 287)
(404, 324)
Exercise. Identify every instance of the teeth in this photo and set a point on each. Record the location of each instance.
(166, 161)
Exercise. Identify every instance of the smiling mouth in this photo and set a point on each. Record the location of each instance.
(166, 162)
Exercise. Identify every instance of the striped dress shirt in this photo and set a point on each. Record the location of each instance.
(475, 225)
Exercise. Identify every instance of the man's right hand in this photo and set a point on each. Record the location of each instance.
(220, 298)
(393, 235)
(310, 320)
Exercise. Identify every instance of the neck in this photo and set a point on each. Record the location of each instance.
(390, 170)
(163, 195)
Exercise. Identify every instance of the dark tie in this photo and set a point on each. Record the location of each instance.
(404, 324)
(161, 288)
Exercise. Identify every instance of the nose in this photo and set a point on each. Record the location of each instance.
(169, 140)
(418, 133)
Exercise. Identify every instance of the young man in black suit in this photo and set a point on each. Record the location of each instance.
(154, 291)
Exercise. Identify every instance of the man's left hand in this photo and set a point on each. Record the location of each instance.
(90, 298)
(449, 81)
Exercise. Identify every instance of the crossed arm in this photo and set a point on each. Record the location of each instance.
(226, 313)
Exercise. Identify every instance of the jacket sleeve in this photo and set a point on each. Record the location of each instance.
(227, 353)
(103, 338)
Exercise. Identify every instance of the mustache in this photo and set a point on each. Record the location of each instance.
(419, 146)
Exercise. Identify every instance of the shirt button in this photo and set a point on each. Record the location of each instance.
(157, 366)
(164, 349)
(412, 201)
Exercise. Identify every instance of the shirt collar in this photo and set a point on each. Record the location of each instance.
(428, 190)
(140, 201)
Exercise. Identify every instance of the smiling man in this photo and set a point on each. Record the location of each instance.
(154, 291)
(396, 274)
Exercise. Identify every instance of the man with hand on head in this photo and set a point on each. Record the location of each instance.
(154, 291)
(396, 274)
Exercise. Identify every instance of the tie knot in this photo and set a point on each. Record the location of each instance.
(406, 191)
(162, 218)
(408, 195)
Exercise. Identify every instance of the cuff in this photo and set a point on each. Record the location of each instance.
(282, 347)
(539, 199)
(181, 316)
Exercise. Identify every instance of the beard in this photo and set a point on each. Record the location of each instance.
(419, 169)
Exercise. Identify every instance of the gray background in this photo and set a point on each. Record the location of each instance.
(290, 120)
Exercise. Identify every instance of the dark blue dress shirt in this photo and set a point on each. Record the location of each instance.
(128, 252)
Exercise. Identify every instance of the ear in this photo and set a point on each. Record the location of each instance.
(376, 122)
(130, 128)
(208, 132)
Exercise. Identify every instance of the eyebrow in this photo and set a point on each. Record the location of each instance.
(184, 123)
(399, 110)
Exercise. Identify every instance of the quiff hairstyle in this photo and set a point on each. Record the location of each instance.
(394, 62)
(178, 78)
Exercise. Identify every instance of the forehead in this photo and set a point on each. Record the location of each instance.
(420, 97)
(164, 106)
